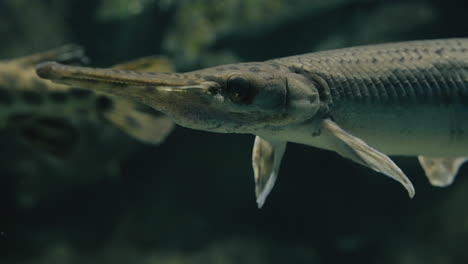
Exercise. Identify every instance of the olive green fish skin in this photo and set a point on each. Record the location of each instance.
(413, 72)
(407, 98)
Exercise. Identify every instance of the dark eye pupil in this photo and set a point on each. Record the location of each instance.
(238, 90)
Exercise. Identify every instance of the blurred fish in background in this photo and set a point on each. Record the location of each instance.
(114, 199)
(49, 128)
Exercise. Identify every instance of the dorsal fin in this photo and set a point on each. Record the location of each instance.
(67, 54)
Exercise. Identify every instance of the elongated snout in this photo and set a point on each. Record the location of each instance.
(66, 73)
(182, 96)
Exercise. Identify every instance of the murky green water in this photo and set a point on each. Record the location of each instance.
(111, 199)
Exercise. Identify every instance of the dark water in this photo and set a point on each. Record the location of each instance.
(191, 199)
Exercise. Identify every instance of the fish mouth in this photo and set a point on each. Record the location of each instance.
(86, 77)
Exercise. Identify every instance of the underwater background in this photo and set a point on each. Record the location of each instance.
(113, 199)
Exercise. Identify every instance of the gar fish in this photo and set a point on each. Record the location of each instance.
(365, 102)
(47, 113)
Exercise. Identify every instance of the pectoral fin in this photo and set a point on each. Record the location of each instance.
(441, 171)
(357, 150)
(147, 64)
(139, 121)
(136, 119)
(266, 161)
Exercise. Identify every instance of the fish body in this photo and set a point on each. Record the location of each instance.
(401, 98)
(407, 98)
(49, 111)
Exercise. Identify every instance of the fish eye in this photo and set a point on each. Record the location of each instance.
(238, 90)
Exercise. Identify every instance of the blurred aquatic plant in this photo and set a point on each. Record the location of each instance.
(197, 24)
(86, 197)
(31, 24)
(121, 9)
(384, 24)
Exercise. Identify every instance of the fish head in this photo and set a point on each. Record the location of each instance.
(237, 98)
